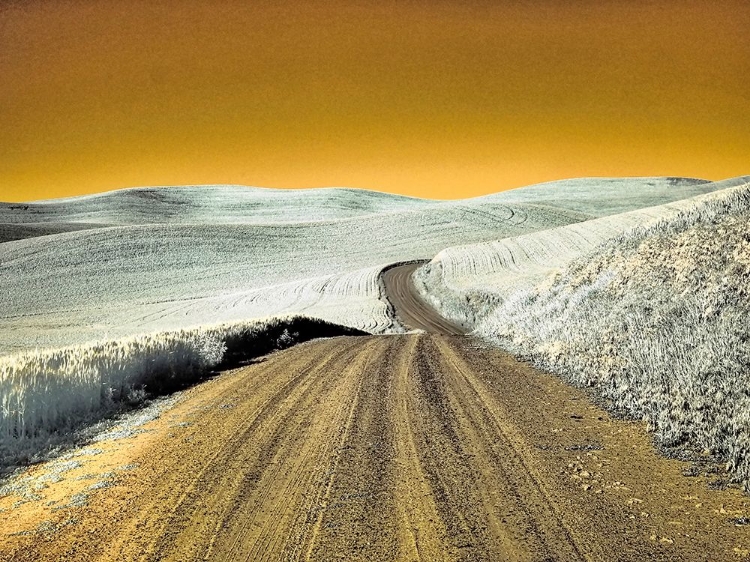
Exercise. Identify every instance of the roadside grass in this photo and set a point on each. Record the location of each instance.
(45, 395)
(467, 282)
(656, 320)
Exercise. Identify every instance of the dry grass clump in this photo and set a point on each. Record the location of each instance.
(47, 393)
(658, 321)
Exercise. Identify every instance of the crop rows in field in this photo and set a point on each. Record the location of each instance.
(118, 281)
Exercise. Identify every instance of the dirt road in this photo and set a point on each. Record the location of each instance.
(417, 447)
(411, 309)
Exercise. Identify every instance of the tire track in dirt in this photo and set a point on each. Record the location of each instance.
(506, 468)
(421, 530)
(274, 516)
(269, 421)
(249, 451)
(413, 311)
(447, 464)
(356, 522)
(418, 447)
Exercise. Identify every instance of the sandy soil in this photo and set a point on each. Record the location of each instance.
(413, 447)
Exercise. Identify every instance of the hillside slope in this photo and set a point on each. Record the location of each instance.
(465, 282)
(598, 197)
(655, 319)
(240, 204)
(207, 203)
(72, 287)
(166, 259)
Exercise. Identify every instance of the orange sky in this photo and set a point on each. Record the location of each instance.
(435, 98)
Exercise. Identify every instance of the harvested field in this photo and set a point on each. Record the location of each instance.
(424, 445)
(401, 447)
(467, 282)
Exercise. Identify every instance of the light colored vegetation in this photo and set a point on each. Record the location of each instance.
(74, 287)
(184, 257)
(178, 260)
(599, 197)
(231, 204)
(46, 393)
(170, 262)
(466, 282)
(656, 320)
(218, 204)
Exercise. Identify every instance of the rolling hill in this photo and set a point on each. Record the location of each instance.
(168, 258)
(653, 317)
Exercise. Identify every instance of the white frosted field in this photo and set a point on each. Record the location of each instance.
(186, 256)
(215, 204)
(466, 282)
(104, 296)
(649, 307)
(116, 281)
(230, 204)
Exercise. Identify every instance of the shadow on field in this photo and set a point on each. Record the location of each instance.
(243, 347)
(246, 348)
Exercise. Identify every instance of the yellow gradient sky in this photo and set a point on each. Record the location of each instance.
(433, 98)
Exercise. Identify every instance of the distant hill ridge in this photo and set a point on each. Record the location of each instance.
(232, 203)
(141, 260)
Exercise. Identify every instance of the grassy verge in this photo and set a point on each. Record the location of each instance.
(46, 394)
(657, 320)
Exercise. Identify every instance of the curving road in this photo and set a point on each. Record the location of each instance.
(409, 447)
(410, 307)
